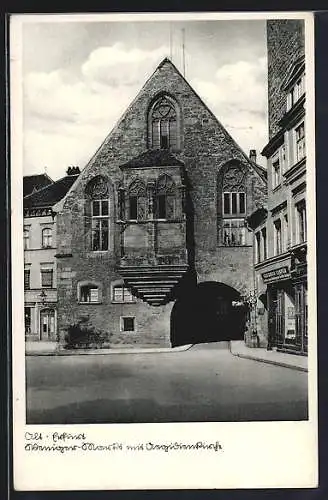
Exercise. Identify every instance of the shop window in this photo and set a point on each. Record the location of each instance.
(26, 239)
(46, 278)
(234, 232)
(163, 129)
(122, 294)
(234, 203)
(300, 142)
(277, 237)
(46, 238)
(27, 278)
(89, 293)
(127, 323)
(301, 222)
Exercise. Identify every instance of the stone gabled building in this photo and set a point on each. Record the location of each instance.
(152, 245)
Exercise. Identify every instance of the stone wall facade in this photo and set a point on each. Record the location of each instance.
(285, 39)
(206, 150)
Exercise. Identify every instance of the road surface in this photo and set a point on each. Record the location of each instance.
(204, 383)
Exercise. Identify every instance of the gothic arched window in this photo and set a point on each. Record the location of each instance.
(165, 197)
(137, 200)
(163, 124)
(98, 209)
(233, 209)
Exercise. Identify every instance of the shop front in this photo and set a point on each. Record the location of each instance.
(299, 280)
(287, 309)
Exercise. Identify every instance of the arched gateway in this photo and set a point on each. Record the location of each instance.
(210, 313)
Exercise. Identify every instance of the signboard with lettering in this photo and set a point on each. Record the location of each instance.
(275, 274)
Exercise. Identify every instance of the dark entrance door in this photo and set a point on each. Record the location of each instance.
(211, 313)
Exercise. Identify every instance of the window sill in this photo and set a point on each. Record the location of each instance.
(123, 302)
(89, 303)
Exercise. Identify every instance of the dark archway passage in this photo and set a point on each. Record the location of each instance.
(211, 312)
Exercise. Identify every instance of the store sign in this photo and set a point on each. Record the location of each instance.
(276, 273)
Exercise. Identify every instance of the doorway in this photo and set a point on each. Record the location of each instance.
(212, 312)
(47, 324)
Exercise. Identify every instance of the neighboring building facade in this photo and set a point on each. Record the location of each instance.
(280, 228)
(40, 276)
(152, 245)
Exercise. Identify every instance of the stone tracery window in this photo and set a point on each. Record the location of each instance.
(234, 207)
(165, 198)
(98, 212)
(137, 200)
(163, 125)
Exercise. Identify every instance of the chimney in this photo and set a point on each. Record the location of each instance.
(73, 171)
(252, 155)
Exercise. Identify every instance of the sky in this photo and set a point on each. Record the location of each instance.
(79, 77)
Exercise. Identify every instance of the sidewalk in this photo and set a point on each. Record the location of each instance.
(294, 361)
(54, 349)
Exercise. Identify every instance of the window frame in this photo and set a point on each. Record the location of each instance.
(231, 220)
(27, 282)
(43, 237)
(229, 195)
(102, 220)
(301, 215)
(169, 124)
(123, 288)
(276, 172)
(299, 141)
(26, 238)
(122, 329)
(277, 241)
(50, 272)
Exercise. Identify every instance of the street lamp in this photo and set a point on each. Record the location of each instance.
(43, 297)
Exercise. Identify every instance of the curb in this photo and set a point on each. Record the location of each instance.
(105, 352)
(270, 362)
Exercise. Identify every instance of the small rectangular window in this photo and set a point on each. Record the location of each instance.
(128, 324)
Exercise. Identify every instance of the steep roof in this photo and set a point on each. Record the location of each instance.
(51, 194)
(33, 183)
(153, 158)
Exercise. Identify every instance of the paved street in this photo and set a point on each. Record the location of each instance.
(204, 383)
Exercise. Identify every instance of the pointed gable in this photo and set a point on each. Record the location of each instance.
(199, 129)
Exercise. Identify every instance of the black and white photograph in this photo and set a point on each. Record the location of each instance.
(165, 189)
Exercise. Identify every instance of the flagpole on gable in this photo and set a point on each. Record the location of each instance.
(183, 53)
(170, 41)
